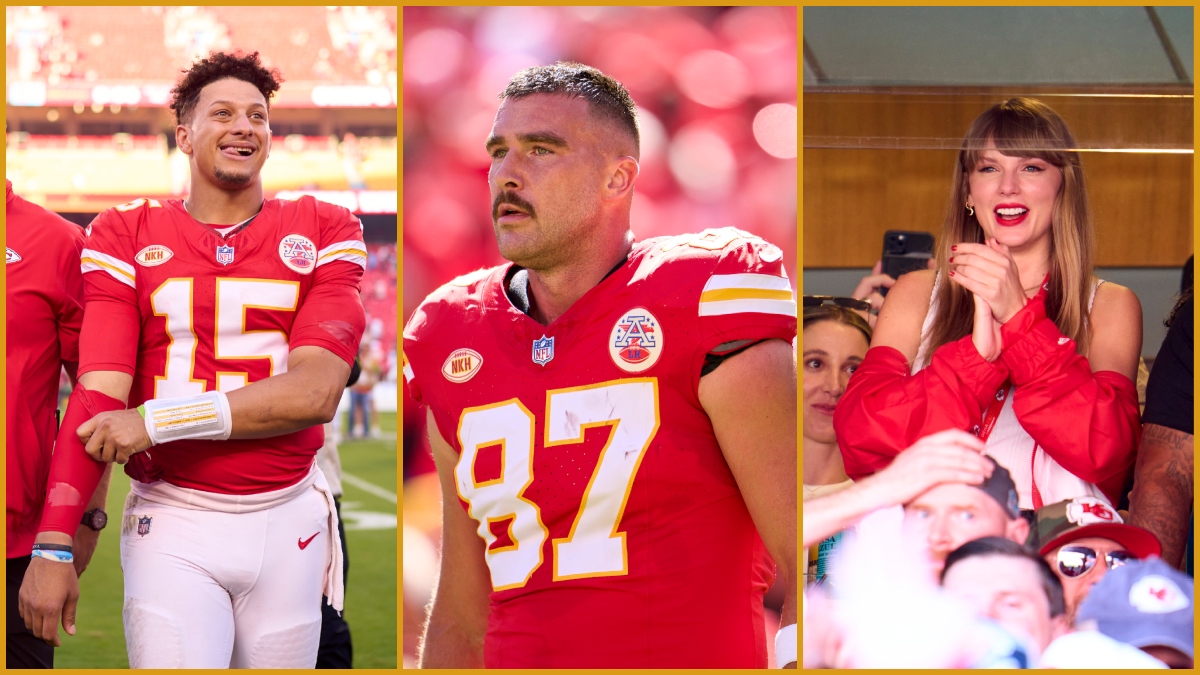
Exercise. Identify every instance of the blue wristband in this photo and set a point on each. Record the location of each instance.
(57, 556)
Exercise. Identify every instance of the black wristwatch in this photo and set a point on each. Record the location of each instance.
(95, 519)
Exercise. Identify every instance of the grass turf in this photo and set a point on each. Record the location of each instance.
(99, 641)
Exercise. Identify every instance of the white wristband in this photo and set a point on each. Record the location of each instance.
(204, 417)
(785, 646)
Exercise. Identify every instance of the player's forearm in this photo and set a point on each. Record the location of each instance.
(449, 644)
(100, 496)
(1161, 500)
(306, 395)
(74, 476)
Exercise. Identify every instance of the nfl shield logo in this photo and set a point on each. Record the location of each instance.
(543, 350)
(224, 254)
(144, 525)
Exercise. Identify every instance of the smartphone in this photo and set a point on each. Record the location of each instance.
(905, 251)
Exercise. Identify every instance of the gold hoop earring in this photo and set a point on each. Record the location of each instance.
(970, 210)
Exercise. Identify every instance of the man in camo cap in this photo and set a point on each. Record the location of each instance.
(1082, 539)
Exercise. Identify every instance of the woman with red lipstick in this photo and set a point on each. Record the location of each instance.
(1012, 337)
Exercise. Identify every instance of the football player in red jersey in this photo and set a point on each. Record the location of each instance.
(45, 310)
(613, 422)
(227, 324)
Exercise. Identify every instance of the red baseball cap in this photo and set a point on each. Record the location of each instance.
(1066, 521)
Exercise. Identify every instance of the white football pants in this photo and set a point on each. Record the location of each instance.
(207, 589)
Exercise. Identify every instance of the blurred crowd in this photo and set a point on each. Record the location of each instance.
(76, 44)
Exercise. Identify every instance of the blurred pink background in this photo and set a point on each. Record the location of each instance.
(716, 89)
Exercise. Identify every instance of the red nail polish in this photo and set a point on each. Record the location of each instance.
(952, 274)
(954, 248)
(951, 259)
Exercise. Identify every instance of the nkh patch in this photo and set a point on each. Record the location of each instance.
(298, 253)
(462, 365)
(153, 255)
(636, 341)
(543, 350)
(144, 525)
(224, 254)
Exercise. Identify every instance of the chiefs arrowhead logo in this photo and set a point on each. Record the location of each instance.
(11, 256)
(1154, 594)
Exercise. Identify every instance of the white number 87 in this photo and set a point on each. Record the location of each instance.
(593, 548)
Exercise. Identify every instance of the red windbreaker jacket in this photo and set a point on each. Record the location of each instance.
(1087, 422)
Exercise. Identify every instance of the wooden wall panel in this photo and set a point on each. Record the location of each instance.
(883, 159)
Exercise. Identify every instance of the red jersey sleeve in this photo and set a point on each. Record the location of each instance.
(332, 315)
(748, 295)
(70, 312)
(1088, 422)
(885, 409)
(111, 320)
(410, 379)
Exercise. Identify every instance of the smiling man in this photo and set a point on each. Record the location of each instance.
(227, 323)
(613, 421)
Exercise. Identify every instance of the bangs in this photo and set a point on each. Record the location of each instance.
(1020, 128)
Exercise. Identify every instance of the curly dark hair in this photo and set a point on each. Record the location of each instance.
(218, 66)
(607, 97)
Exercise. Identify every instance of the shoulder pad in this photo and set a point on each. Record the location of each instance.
(461, 294)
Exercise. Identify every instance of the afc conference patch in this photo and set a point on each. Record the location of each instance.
(224, 254)
(298, 253)
(636, 341)
(543, 350)
(144, 525)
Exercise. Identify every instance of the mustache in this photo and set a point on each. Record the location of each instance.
(510, 198)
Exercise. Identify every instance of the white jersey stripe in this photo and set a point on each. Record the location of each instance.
(722, 307)
(408, 372)
(351, 251)
(766, 282)
(95, 261)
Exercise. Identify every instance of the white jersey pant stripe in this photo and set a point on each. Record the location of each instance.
(208, 589)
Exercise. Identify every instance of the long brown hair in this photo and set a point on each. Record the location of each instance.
(1023, 127)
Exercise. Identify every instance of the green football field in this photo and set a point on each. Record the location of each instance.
(369, 512)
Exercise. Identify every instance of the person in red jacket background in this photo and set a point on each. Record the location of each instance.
(45, 311)
(1012, 337)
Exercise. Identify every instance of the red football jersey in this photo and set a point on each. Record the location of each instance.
(616, 535)
(44, 296)
(221, 312)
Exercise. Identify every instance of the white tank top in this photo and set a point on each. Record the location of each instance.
(1009, 443)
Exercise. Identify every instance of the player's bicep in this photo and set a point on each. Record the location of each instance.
(464, 582)
(332, 314)
(751, 401)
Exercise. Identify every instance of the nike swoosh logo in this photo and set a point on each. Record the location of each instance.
(305, 542)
